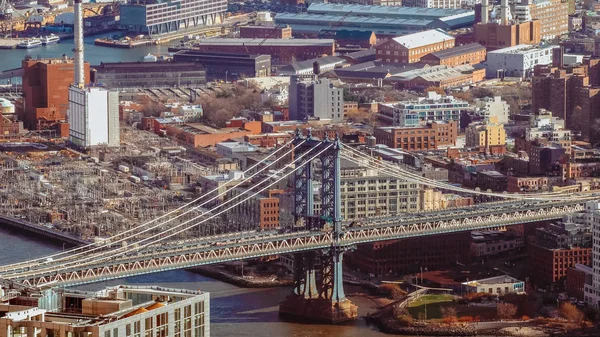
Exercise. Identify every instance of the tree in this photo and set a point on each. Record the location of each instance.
(437, 90)
(449, 314)
(570, 312)
(506, 310)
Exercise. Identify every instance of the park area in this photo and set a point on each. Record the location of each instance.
(439, 306)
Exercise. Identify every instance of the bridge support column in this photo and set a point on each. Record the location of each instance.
(330, 305)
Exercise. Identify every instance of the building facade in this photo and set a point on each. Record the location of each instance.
(433, 3)
(46, 92)
(227, 66)
(112, 312)
(149, 75)
(93, 117)
(485, 135)
(517, 61)
(489, 107)
(498, 285)
(429, 137)
(312, 97)
(495, 36)
(434, 107)
(471, 53)
(161, 17)
(552, 14)
(265, 32)
(281, 50)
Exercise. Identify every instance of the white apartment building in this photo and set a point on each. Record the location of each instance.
(433, 3)
(433, 108)
(517, 61)
(93, 117)
(493, 107)
(545, 126)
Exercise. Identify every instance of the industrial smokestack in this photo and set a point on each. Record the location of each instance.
(78, 48)
(504, 12)
(484, 12)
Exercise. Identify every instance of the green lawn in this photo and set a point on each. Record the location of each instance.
(430, 306)
(430, 299)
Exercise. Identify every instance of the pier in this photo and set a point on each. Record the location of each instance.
(7, 221)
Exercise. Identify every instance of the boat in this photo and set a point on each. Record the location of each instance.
(29, 43)
(50, 39)
(150, 58)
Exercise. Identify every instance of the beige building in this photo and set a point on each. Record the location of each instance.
(552, 14)
(485, 134)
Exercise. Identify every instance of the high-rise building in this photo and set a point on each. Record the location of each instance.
(570, 93)
(313, 97)
(165, 16)
(93, 117)
(552, 14)
(93, 112)
(592, 291)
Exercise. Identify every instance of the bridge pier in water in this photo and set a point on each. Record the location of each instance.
(318, 294)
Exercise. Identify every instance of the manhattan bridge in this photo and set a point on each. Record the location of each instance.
(317, 242)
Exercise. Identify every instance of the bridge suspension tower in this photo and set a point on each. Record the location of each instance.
(318, 279)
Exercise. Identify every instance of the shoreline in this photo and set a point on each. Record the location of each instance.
(224, 276)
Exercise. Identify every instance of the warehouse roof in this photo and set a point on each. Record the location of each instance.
(349, 21)
(434, 73)
(425, 38)
(345, 34)
(266, 42)
(452, 52)
(385, 11)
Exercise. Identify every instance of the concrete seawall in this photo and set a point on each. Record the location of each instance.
(41, 231)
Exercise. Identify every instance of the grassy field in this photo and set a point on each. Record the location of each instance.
(430, 299)
(430, 306)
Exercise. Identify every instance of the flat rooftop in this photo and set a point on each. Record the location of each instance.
(201, 129)
(521, 49)
(386, 11)
(265, 42)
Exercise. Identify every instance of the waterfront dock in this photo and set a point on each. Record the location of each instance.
(9, 43)
(42, 231)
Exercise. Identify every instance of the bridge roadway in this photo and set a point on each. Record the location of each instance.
(245, 245)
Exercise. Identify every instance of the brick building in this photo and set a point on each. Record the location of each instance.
(428, 137)
(412, 47)
(199, 135)
(556, 248)
(528, 184)
(472, 53)
(495, 36)
(409, 255)
(281, 50)
(45, 89)
(566, 91)
(553, 16)
(491, 180)
(266, 32)
(346, 37)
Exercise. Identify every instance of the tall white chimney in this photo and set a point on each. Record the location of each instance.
(78, 48)
(504, 12)
(484, 12)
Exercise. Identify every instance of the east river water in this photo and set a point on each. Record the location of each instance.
(234, 311)
(11, 58)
